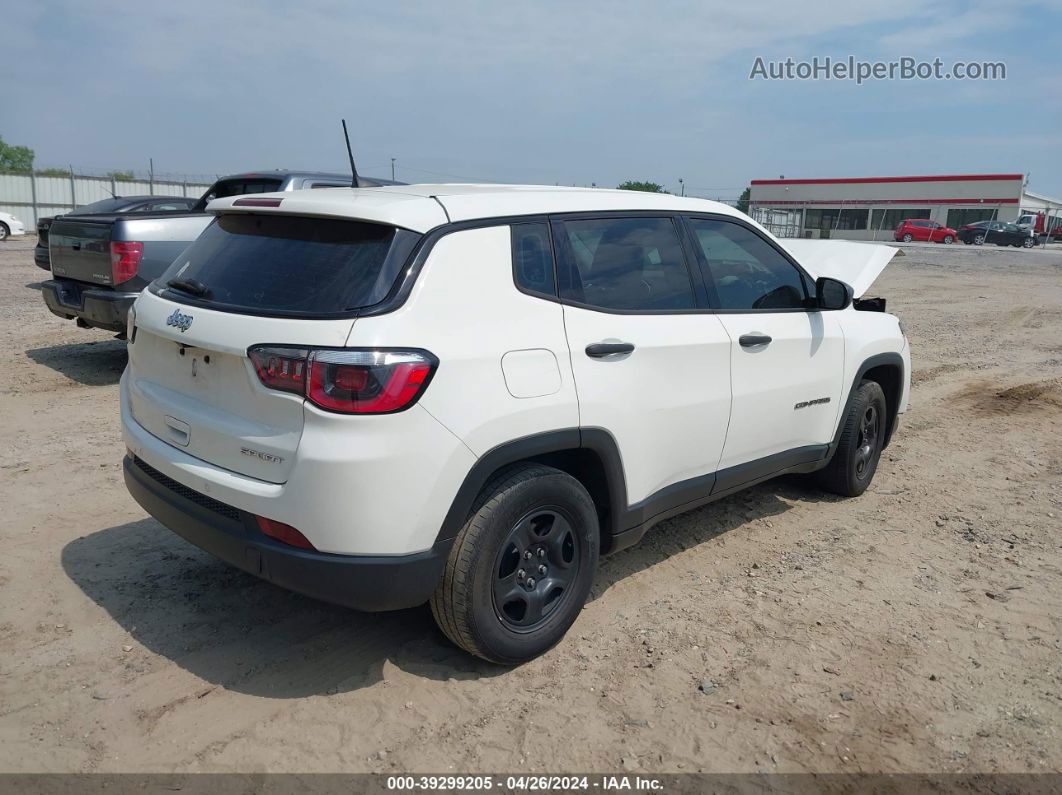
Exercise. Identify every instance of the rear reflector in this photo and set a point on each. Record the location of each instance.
(125, 261)
(348, 381)
(284, 533)
(257, 202)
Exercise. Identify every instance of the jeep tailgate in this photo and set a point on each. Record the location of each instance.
(192, 385)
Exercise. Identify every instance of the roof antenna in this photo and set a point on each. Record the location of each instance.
(350, 154)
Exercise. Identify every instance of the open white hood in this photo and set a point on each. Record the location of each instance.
(856, 264)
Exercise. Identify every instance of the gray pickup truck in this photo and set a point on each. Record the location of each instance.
(100, 263)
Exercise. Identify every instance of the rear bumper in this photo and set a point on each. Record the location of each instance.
(362, 582)
(40, 257)
(104, 309)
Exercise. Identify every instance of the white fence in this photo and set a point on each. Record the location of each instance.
(30, 197)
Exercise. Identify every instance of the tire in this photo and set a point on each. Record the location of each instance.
(855, 461)
(907, 238)
(979, 240)
(1027, 242)
(4, 231)
(524, 510)
(948, 240)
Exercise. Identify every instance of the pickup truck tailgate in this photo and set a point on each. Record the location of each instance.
(81, 250)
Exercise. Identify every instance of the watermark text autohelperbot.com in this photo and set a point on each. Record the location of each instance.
(851, 68)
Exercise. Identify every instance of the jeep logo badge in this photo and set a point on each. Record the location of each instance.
(180, 321)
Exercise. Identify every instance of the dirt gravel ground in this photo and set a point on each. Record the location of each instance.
(917, 628)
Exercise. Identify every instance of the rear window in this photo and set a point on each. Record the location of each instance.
(237, 186)
(288, 265)
(101, 207)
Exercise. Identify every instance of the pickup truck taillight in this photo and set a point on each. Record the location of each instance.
(125, 261)
(349, 380)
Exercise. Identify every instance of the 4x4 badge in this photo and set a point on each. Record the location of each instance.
(180, 321)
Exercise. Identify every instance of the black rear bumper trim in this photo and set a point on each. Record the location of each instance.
(99, 308)
(363, 582)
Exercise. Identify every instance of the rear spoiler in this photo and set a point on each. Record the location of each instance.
(856, 264)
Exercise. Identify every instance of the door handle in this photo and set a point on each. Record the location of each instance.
(596, 350)
(752, 340)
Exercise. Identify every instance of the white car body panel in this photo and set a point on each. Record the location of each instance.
(468, 393)
(667, 403)
(418, 212)
(802, 363)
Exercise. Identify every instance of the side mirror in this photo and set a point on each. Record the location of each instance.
(832, 293)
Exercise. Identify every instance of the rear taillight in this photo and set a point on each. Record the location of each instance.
(348, 381)
(281, 368)
(284, 533)
(125, 261)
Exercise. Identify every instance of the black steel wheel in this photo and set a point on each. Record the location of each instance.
(536, 567)
(867, 445)
(521, 568)
(859, 447)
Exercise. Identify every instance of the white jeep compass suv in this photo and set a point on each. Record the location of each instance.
(464, 394)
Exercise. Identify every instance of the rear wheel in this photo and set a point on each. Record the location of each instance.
(855, 461)
(522, 566)
(979, 240)
(907, 238)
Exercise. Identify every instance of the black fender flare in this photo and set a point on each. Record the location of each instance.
(538, 446)
(889, 359)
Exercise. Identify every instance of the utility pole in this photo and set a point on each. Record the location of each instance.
(392, 169)
(151, 174)
(682, 186)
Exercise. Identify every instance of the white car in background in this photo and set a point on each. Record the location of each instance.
(465, 393)
(10, 225)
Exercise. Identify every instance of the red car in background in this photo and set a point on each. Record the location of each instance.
(923, 229)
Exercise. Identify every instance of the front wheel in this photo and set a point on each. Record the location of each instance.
(521, 568)
(948, 240)
(1027, 242)
(4, 231)
(856, 458)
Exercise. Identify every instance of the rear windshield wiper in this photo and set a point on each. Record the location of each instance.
(190, 286)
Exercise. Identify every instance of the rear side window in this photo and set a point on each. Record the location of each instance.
(533, 259)
(747, 272)
(626, 264)
(288, 265)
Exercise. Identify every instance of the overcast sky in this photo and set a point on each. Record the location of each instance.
(568, 92)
